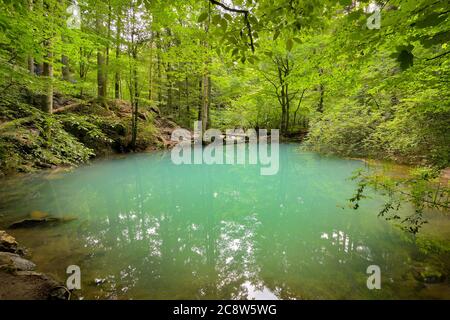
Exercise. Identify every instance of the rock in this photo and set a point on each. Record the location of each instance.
(8, 243)
(99, 282)
(155, 110)
(38, 214)
(36, 222)
(30, 285)
(59, 293)
(12, 261)
(429, 275)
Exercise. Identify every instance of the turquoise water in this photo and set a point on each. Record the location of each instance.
(148, 229)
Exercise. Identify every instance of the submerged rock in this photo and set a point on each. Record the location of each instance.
(30, 285)
(8, 243)
(19, 281)
(428, 274)
(38, 214)
(98, 281)
(37, 222)
(12, 261)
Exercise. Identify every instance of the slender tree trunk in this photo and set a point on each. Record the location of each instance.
(134, 82)
(135, 105)
(187, 96)
(209, 102)
(101, 65)
(150, 72)
(298, 106)
(159, 62)
(118, 35)
(320, 104)
(321, 91)
(65, 69)
(206, 92)
(200, 99)
(31, 68)
(205, 102)
(101, 78)
(107, 48)
(283, 100)
(169, 104)
(48, 74)
(288, 106)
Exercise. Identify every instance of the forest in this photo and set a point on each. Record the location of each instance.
(305, 67)
(349, 79)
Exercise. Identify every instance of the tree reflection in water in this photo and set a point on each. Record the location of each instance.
(149, 229)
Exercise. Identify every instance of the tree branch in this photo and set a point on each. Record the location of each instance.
(441, 55)
(241, 11)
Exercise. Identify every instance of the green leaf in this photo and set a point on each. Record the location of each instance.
(289, 44)
(216, 19)
(202, 17)
(345, 2)
(253, 20)
(276, 35)
(223, 24)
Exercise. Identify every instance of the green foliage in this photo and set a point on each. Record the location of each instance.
(36, 140)
(422, 188)
(294, 65)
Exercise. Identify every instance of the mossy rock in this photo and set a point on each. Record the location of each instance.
(428, 275)
(39, 222)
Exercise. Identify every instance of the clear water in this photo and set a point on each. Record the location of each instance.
(153, 230)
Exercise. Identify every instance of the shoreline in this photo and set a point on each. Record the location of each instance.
(19, 276)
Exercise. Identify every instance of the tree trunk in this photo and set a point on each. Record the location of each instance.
(288, 106)
(65, 70)
(134, 87)
(320, 105)
(205, 102)
(159, 62)
(169, 104)
(117, 75)
(101, 67)
(48, 74)
(187, 96)
(135, 106)
(31, 68)
(321, 91)
(101, 78)
(209, 102)
(150, 72)
(298, 106)
(200, 99)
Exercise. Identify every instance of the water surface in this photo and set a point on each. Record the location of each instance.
(148, 229)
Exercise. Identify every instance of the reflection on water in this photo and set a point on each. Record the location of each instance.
(147, 229)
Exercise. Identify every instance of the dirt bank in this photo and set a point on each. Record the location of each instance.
(18, 278)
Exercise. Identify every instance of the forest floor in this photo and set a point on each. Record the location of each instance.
(78, 130)
(19, 279)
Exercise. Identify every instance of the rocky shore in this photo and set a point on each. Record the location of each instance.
(19, 279)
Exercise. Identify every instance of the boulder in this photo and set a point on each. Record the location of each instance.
(8, 243)
(428, 274)
(37, 222)
(12, 261)
(30, 285)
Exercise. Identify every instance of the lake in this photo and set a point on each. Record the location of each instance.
(145, 228)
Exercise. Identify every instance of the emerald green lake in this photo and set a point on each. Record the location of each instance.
(148, 229)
